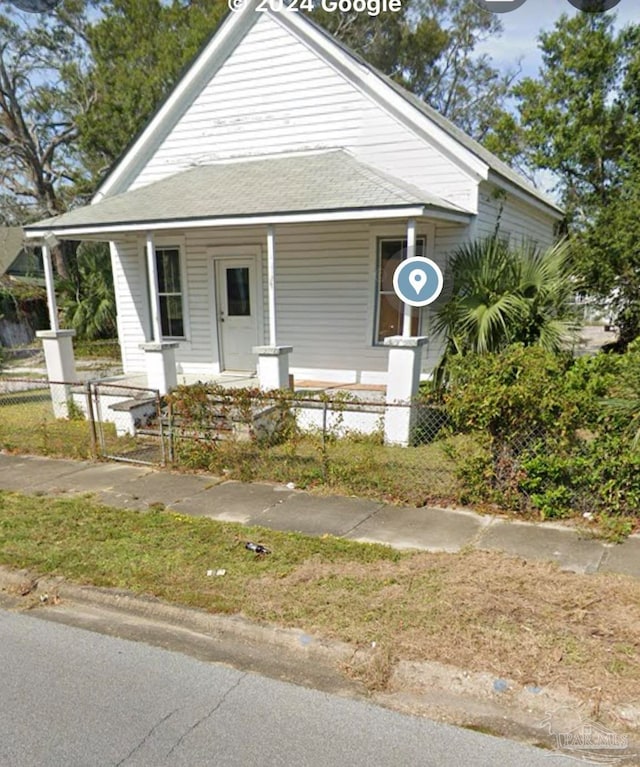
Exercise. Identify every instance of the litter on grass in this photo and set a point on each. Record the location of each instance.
(258, 548)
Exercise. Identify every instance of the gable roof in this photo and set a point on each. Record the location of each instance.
(329, 182)
(442, 131)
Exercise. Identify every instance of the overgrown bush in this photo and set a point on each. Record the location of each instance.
(207, 415)
(556, 435)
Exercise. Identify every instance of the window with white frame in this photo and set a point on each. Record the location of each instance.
(170, 292)
(389, 308)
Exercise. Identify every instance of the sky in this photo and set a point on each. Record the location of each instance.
(522, 26)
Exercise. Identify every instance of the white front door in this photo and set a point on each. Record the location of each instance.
(237, 312)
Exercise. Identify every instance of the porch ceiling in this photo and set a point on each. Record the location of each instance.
(325, 185)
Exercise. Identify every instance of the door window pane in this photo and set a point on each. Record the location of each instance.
(238, 301)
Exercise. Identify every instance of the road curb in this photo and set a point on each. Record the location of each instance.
(213, 625)
(428, 687)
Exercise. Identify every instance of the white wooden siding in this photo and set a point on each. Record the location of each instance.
(518, 219)
(325, 276)
(132, 302)
(273, 94)
(325, 297)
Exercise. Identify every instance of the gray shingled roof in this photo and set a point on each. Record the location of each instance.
(320, 182)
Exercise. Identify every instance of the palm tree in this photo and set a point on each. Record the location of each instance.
(87, 296)
(503, 295)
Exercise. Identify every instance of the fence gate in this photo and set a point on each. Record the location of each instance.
(128, 423)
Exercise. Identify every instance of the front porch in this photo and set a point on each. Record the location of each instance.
(295, 280)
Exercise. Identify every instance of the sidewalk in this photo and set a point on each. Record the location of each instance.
(280, 508)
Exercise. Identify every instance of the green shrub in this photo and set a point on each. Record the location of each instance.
(515, 396)
(559, 435)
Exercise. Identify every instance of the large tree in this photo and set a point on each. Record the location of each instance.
(579, 119)
(430, 47)
(43, 91)
(138, 49)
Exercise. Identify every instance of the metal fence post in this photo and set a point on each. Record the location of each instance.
(170, 430)
(161, 424)
(92, 421)
(98, 413)
(325, 461)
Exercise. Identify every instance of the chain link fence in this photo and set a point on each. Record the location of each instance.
(120, 421)
(338, 439)
(136, 414)
(41, 416)
(81, 420)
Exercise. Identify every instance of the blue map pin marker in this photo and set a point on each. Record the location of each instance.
(418, 281)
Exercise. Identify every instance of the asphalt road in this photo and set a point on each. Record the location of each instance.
(73, 698)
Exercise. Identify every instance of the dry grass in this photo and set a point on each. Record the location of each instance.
(355, 465)
(526, 621)
(483, 611)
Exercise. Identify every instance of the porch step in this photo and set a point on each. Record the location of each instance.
(132, 404)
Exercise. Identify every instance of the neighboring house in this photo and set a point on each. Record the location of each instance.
(11, 245)
(269, 198)
(21, 299)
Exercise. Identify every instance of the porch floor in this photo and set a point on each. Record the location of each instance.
(368, 392)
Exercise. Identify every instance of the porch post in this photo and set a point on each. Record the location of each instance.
(51, 289)
(57, 345)
(273, 360)
(152, 271)
(271, 271)
(411, 252)
(160, 356)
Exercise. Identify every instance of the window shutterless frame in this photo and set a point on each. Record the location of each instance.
(388, 315)
(171, 291)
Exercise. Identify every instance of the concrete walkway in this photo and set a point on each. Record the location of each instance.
(280, 508)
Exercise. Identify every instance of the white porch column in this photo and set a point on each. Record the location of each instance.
(154, 298)
(159, 355)
(402, 386)
(57, 345)
(411, 252)
(273, 360)
(52, 304)
(271, 271)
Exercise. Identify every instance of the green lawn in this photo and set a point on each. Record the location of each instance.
(27, 425)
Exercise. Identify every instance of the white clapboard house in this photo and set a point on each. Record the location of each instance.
(261, 212)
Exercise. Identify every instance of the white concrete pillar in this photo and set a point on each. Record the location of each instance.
(273, 366)
(403, 381)
(61, 367)
(160, 361)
